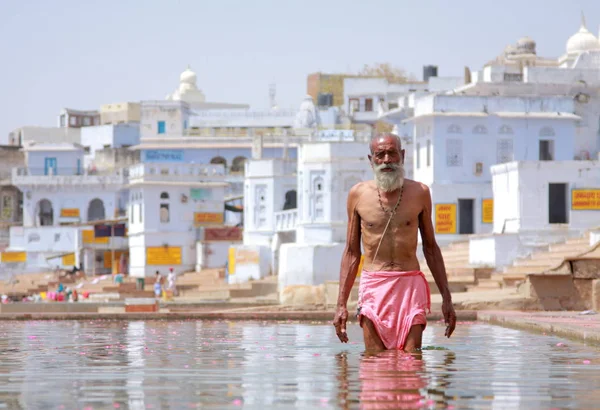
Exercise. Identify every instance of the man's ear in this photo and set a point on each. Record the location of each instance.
(370, 158)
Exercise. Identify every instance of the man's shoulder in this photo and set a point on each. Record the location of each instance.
(416, 186)
(360, 188)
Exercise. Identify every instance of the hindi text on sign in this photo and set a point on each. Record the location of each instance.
(445, 218)
(585, 199)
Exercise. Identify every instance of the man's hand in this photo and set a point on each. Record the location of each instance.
(449, 317)
(339, 321)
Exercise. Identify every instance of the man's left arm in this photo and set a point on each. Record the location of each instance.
(435, 260)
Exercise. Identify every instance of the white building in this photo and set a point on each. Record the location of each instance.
(24, 135)
(535, 204)
(189, 92)
(60, 200)
(168, 205)
(302, 244)
(395, 103)
(519, 107)
(98, 137)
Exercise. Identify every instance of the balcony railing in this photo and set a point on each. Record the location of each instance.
(66, 176)
(177, 172)
(286, 220)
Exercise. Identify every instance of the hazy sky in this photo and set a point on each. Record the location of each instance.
(81, 54)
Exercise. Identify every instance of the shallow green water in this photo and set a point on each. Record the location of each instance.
(194, 364)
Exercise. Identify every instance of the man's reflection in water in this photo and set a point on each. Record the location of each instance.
(393, 380)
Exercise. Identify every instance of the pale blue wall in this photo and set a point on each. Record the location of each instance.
(203, 156)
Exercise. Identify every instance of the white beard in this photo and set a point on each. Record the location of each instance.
(389, 181)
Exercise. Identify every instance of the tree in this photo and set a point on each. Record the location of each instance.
(386, 70)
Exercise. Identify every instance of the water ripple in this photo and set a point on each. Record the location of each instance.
(192, 364)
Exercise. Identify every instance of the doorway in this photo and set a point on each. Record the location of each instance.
(557, 204)
(466, 216)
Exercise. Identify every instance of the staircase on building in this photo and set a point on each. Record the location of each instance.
(542, 260)
(210, 285)
(461, 276)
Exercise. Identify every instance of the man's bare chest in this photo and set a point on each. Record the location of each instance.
(375, 215)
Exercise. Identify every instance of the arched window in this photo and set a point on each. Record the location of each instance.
(505, 130)
(44, 213)
(290, 200)
(164, 212)
(237, 165)
(479, 129)
(454, 129)
(219, 160)
(96, 211)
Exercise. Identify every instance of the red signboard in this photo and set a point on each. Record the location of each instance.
(225, 233)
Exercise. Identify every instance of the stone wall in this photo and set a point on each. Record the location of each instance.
(564, 292)
(10, 157)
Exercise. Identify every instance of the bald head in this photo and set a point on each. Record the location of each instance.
(387, 161)
(386, 138)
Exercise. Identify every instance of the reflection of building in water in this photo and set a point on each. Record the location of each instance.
(135, 344)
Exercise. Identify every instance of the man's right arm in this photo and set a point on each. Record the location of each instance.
(350, 263)
(352, 252)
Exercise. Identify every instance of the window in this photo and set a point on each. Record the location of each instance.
(353, 105)
(504, 151)
(62, 120)
(185, 124)
(418, 155)
(87, 121)
(131, 214)
(73, 120)
(164, 213)
(505, 129)
(454, 129)
(140, 212)
(164, 195)
(454, 153)
(546, 150)
(368, 104)
(392, 105)
(479, 129)
(162, 127)
(428, 153)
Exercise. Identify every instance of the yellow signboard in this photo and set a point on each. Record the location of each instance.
(13, 257)
(89, 237)
(107, 258)
(585, 199)
(69, 213)
(231, 262)
(246, 257)
(487, 211)
(163, 255)
(68, 260)
(445, 218)
(206, 218)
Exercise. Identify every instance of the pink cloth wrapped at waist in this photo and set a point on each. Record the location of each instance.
(394, 302)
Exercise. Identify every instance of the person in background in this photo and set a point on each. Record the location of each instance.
(171, 281)
(157, 285)
(118, 278)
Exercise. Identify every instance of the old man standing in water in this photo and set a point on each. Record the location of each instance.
(385, 214)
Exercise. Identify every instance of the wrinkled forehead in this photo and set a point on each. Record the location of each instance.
(385, 144)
